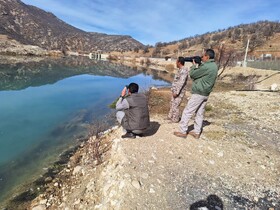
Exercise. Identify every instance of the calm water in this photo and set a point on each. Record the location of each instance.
(46, 106)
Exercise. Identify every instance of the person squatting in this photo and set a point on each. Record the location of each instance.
(132, 111)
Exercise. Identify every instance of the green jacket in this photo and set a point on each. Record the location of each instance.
(204, 77)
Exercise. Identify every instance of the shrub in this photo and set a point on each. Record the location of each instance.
(148, 62)
(112, 57)
(208, 108)
(169, 67)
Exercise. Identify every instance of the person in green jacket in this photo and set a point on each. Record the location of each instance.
(204, 77)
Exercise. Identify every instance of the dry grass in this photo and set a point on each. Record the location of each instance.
(215, 135)
(159, 101)
(169, 67)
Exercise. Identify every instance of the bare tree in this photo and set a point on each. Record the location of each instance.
(224, 58)
(146, 49)
(183, 45)
(96, 129)
(136, 49)
(156, 51)
(255, 41)
(236, 33)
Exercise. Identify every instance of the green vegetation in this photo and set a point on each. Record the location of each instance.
(208, 108)
(113, 104)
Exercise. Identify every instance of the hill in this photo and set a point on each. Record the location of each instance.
(30, 25)
(264, 39)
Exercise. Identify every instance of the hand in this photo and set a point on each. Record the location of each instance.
(193, 62)
(123, 92)
(174, 95)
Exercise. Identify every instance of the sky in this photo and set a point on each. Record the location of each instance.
(153, 21)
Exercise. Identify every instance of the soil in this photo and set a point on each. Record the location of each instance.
(235, 164)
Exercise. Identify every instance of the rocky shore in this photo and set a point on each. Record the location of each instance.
(12, 49)
(234, 165)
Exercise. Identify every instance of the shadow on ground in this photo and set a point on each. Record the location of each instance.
(212, 202)
(154, 126)
(204, 124)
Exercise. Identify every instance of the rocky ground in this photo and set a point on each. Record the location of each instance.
(236, 159)
(234, 165)
(11, 50)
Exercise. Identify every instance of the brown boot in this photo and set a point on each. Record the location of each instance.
(193, 134)
(179, 134)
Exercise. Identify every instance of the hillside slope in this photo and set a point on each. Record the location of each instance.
(33, 26)
(264, 38)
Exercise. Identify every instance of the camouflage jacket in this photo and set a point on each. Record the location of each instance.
(179, 84)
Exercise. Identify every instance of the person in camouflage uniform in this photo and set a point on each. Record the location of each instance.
(178, 90)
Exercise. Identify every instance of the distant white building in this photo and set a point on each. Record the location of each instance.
(98, 55)
(263, 56)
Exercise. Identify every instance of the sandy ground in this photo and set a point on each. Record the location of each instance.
(234, 165)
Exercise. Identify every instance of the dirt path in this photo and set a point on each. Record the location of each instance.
(235, 163)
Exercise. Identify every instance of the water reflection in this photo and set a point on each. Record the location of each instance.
(46, 106)
(48, 71)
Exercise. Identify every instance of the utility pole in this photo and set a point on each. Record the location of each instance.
(245, 57)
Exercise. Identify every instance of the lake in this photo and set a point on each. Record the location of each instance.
(47, 106)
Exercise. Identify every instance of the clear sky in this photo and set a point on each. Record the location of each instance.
(152, 21)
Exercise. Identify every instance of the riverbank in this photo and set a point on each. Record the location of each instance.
(236, 160)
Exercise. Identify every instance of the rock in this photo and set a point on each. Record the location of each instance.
(39, 207)
(136, 184)
(77, 170)
(43, 202)
(48, 179)
(122, 184)
(152, 190)
(220, 154)
(263, 167)
(78, 201)
(212, 162)
(274, 87)
(144, 175)
(99, 206)
(112, 193)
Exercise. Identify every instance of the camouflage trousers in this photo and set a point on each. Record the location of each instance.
(174, 112)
